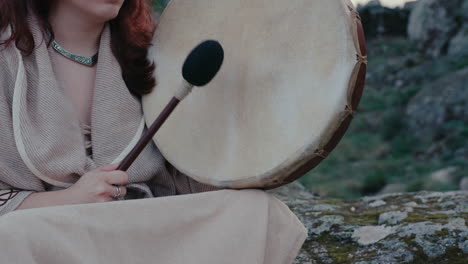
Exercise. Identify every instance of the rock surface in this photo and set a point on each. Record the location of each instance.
(464, 184)
(443, 101)
(433, 24)
(423, 227)
(460, 41)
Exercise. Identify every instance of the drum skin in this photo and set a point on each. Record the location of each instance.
(292, 79)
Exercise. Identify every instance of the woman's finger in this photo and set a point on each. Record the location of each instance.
(105, 199)
(108, 167)
(124, 191)
(116, 177)
(115, 192)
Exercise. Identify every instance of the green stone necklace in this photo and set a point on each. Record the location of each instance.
(88, 61)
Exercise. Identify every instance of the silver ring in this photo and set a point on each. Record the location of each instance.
(118, 193)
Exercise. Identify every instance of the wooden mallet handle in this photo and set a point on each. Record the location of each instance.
(148, 136)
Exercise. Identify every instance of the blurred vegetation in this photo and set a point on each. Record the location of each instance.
(159, 5)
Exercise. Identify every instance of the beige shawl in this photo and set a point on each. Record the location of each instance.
(40, 135)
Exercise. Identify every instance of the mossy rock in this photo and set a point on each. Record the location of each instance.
(433, 229)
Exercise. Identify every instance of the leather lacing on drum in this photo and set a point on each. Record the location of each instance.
(356, 85)
(349, 110)
(322, 153)
(361, 59)
(354, 12)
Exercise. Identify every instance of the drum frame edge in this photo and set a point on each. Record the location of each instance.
(356, 89)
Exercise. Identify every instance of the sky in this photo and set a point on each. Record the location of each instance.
(389, 3)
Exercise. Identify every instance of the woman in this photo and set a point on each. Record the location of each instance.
(79, 27)
(72, 76)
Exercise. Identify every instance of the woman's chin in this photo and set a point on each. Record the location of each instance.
(107, 13)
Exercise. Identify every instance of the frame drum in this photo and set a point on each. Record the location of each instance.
(292, 79)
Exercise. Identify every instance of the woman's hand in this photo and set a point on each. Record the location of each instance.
(93, 187)
(96, 185)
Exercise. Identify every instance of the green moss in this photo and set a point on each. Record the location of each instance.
(338, 202)
(337, 250)
(453, 255)
(442, 233)
(419, 256)
(317, 224)
(437, 218)
(341, 254)
(403, 198)
(362, 219)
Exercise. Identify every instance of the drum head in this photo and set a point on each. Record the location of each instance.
(292, 77)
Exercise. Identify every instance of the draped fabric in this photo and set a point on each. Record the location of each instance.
(219, 227)
(42, 143)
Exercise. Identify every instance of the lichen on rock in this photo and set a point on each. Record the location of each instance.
(433, 231)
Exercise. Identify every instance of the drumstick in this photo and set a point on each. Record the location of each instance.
(200, 67)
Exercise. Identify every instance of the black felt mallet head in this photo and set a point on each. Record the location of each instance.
(203, 63)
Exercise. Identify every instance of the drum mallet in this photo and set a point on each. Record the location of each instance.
(200, 67)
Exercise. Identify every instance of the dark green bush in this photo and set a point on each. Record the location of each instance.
(373, 183)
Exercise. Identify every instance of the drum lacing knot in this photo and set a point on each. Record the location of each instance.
(321, 153)
(361, 58)
(349, 110)
(355, 13)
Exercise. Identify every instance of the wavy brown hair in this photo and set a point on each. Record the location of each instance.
(131, 34)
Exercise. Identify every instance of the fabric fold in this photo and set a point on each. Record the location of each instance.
(222, 227)
(44, 121)
(41, 139)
